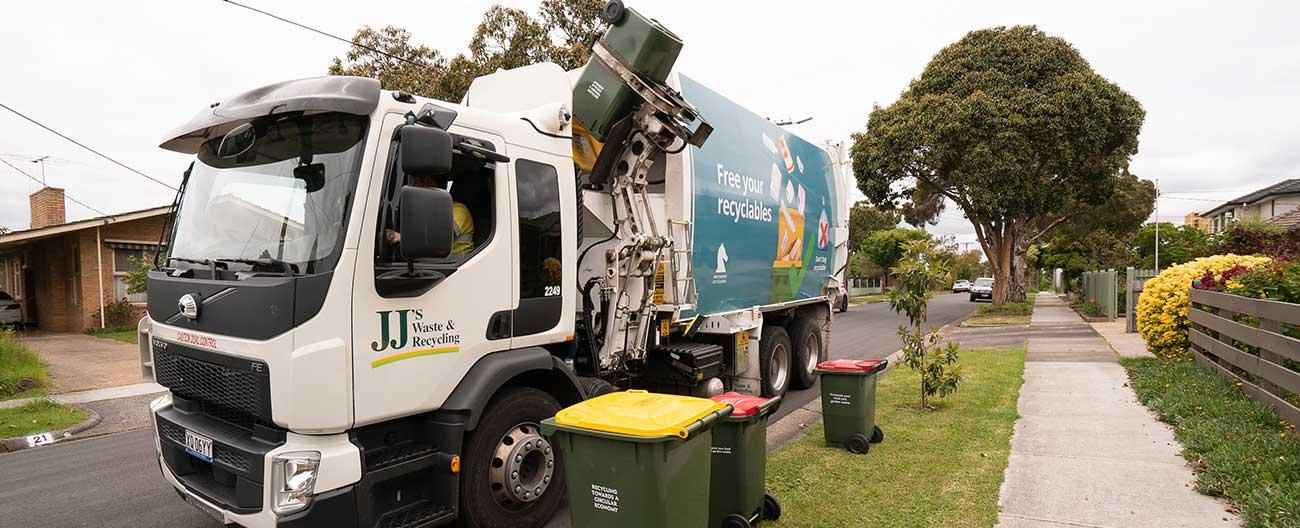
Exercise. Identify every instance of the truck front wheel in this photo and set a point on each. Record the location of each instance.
(775, 361)
(512, 475)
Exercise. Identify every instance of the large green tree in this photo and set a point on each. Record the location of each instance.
(1178, 244)
(505, 38)
(1097, 236)
(885, 248)
(1014, 127)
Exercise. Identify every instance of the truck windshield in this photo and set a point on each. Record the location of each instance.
(283, 198)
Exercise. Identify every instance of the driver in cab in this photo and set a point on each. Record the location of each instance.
(463, 241)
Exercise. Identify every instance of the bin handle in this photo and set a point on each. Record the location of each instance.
(882, 365)
(769, 404)
(705, 421)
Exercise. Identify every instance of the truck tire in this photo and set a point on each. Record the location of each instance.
(806, 336)
(506, 462)
(774, 355)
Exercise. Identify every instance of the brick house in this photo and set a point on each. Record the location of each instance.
(63, 273)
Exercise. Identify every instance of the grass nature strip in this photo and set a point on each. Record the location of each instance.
(1238, 448)
(18, 363)
(936, 468)
(38, 417)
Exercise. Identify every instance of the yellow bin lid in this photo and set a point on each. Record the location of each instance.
(638, 413)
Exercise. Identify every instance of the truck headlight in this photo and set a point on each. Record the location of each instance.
(293, 476)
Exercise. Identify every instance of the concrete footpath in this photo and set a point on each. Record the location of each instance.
(1085, 452)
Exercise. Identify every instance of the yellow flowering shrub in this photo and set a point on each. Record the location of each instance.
(1162, 308)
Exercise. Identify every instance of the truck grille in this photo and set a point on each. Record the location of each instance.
(241, 397)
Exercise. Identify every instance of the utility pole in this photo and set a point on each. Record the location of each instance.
(1157, 226)
(41, 160)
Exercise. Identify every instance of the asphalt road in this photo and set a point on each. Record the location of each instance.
(113, 480)
(870, 331)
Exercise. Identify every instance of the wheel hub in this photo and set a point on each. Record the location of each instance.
(780, 367)
(522, 466)
(810, 344)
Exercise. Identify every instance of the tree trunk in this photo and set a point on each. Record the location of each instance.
(1016, 291)
(1001, 245)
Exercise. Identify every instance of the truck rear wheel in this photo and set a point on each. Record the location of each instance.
(512, 476)
(807, 340)
(774, 361)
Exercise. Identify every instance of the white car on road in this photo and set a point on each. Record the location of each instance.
(960, 286)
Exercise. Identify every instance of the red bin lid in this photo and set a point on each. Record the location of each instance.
(743, 404)
(853, 365)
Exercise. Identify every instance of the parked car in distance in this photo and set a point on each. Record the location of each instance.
(982, 289)
(960, 286)
(10, 313)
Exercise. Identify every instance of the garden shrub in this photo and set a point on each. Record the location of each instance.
(116, 315)
(1162, 308)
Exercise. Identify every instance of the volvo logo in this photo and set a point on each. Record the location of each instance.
(188, 305)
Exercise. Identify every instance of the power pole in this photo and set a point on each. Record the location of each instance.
(1157, 226)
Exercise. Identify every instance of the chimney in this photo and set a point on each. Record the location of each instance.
(47, 207)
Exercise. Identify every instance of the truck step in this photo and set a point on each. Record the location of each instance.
(423, 513)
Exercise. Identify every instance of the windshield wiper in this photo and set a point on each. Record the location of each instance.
(212, 264)
(287, 268)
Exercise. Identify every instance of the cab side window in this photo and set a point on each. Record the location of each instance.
(471, 183)
(540, 244)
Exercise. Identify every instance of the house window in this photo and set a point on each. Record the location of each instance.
(121, 265)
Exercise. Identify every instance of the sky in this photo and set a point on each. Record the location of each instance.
(1219, 81)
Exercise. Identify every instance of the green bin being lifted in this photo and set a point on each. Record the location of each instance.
(849, 402)
(636, 459)
(737, 497)
(600, 97)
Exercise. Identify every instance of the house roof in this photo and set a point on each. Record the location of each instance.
(27, 235)
(1282, 187)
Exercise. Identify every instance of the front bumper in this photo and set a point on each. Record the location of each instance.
(235, 486)
(981, 295)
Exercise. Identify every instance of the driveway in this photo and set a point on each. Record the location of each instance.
(80, 362)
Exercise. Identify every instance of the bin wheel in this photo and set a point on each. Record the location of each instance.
(735, 521)
(877, 435)
(771, 508)
(613, 13)
(858, 444)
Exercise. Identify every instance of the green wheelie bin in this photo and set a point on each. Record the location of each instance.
(600, 97)
(737, 497)
(636, 459)
(849, 402)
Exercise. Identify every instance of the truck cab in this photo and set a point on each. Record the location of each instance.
(306, 356)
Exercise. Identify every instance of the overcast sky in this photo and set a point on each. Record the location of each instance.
(1220, 82)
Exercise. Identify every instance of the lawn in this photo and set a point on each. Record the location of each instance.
(868, 299)
(38, 417)
(126, 336)
(937, 468)
(21, 373)
(1238, 448)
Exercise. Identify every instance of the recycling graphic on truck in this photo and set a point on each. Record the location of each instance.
(755, 186)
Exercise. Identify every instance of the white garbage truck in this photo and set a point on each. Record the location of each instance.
(369, 299)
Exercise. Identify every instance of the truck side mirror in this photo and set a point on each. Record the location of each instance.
(426, 151)
(428, 228)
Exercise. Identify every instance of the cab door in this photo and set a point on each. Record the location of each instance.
(411, 349)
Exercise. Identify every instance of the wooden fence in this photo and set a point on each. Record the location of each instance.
(1256, 357)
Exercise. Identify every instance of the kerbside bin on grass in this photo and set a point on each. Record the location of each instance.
(737, 497)
(849, 402)
(636, 459)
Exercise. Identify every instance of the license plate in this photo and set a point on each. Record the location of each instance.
(198, 445)
(207, 510)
